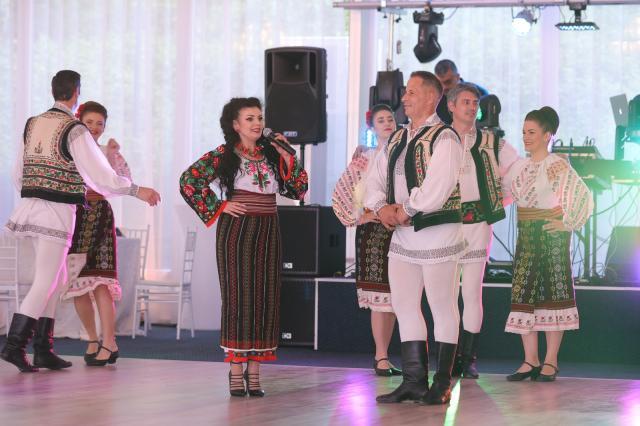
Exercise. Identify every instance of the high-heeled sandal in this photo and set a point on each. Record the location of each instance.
(547, 377)
(385, 372)
(518, 377)
(113, 357)
(253, 382)
(236, 384)
(87, 356)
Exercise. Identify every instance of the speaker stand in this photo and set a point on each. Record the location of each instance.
(302, 151)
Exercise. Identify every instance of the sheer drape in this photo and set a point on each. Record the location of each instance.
(163, 69)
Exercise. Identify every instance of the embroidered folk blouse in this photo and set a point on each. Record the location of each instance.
(253, 176)
(550, 183)
(349, 193)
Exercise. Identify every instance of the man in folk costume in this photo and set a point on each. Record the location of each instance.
(58, 159)
(414, 188)
(487, 158)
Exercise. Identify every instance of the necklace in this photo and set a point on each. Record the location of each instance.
(250, 152)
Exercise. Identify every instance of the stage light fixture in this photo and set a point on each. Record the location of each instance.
(523, 21)
(577, 24)
(489, 112)
(428, 47)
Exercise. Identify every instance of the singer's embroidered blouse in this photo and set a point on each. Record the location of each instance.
(254, 176)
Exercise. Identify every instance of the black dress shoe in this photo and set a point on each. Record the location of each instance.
(253, 384)
(88, 356)
(518, 377)
(95, 362)
(547, 377)
(385, 372)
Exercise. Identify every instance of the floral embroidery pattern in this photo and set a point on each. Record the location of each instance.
(259, 171)
(195, 181)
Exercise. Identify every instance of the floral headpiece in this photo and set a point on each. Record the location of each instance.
(368, 116)
(79, 111)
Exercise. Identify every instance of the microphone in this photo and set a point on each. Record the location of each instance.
(268, 134)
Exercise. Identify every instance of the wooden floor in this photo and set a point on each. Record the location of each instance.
(185, 393)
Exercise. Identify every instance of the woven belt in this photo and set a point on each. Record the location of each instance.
(256, 203)
(527, 214)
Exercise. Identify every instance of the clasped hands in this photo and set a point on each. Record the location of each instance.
(393, 215)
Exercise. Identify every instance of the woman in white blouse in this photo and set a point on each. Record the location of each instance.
(552, 202)
(372, 238)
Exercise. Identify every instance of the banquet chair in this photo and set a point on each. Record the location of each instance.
(178, 293)
(143, 235)
(9, 287)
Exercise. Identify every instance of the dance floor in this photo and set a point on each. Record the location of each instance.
(165, 392)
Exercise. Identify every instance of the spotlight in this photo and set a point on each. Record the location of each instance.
(523, 21)
(389, 90)
(428, 47)
(577, 24)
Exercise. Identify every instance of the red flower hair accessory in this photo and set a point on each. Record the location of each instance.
(368, 117)
(79, 111)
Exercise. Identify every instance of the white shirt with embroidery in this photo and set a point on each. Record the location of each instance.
(479, 235)
(434, 244)
(55, 221)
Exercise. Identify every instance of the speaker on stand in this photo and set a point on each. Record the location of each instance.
(295, 94)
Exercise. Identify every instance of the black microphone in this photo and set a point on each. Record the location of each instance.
(268, 134)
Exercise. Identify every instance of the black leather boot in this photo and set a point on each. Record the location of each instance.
(468, 355)
(20, 332)
(415, 383)
(440, 391)
(43, 355)
(457, 365)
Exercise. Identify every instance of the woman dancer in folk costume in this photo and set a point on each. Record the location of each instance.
(552, 202)
(372, 239)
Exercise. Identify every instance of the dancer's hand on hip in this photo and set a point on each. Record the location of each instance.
(235, 209)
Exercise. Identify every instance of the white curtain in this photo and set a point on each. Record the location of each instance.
(574, 72)
(163, 69)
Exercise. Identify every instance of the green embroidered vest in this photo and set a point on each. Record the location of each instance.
(485, 153)
(419, 152)
(49, 172)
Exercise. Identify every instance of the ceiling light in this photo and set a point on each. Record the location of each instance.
(523, 21)
(428, 47)
(577, 24)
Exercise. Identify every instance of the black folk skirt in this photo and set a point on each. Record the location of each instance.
(372, 267)
(249, 261)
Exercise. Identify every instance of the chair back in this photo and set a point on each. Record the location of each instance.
(8, 261)
(143, 236)
(189, 256)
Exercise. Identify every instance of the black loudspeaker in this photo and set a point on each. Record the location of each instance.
(313, 241)
(295, 93)
(623, 256)
(297, 311)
